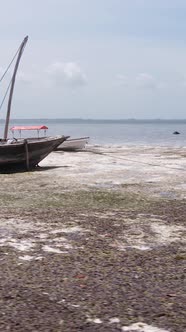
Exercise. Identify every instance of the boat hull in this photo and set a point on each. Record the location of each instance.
(27, 153)
(73, 144)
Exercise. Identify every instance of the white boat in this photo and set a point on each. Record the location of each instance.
(73, 144)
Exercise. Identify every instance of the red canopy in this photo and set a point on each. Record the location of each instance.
(28, 128)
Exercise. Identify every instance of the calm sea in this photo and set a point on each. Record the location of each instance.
(109, 133)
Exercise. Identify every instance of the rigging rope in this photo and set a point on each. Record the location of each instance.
(5, 94)
(136, 161)
(9, 65)
(11, 78)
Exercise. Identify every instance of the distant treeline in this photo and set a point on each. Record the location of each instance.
(94, 121)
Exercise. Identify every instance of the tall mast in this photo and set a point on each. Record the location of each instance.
(21, 49)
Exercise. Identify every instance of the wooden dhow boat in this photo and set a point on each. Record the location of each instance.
(24, 153)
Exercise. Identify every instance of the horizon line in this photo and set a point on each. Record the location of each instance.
(102, 119)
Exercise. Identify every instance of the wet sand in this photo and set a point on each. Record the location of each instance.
(95, 241)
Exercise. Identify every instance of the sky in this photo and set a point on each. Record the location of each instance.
(112, 59)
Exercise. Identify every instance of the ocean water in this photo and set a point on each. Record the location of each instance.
(108, 133)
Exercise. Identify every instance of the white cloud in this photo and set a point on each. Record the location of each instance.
(141, 81)
(66, 73)
(122, 80)
(145, 81)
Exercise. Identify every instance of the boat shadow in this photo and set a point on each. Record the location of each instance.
(47, 168)
(36, 169)
(61, 150)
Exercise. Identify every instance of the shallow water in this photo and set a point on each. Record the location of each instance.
(114, 133)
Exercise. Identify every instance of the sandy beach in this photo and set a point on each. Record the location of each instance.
(95, 241)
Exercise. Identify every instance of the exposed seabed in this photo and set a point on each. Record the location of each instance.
(95, 241)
